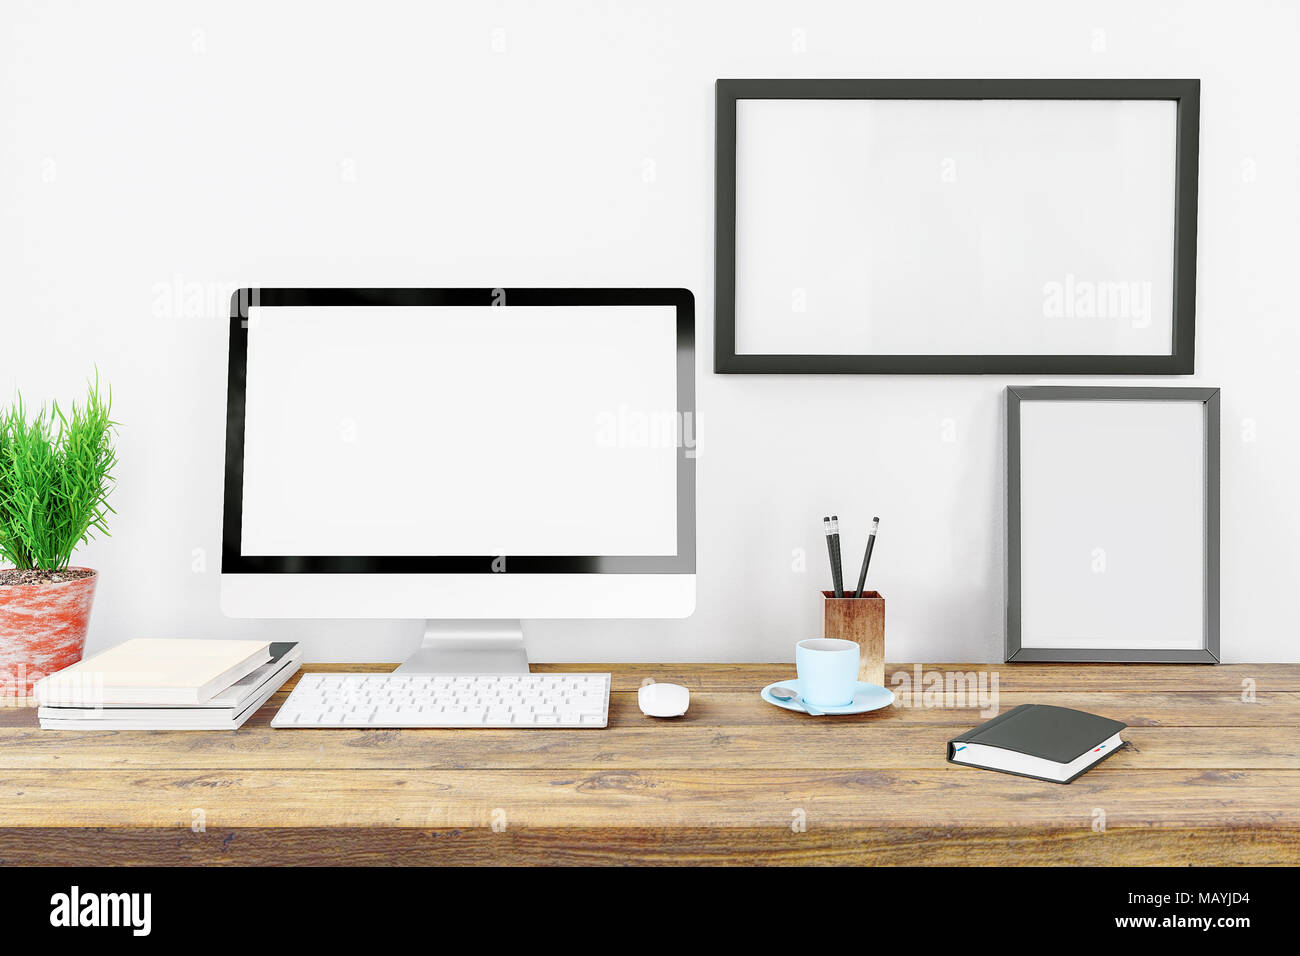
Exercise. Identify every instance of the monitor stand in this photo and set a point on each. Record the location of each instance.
(469, 647)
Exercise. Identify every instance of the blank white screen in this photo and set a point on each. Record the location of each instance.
(1112, 511)
(393, 430)
(955, 227)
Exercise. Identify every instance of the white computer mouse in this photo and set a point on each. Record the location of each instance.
(663, 700)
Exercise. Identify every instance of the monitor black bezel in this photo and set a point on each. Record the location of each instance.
(235, 562)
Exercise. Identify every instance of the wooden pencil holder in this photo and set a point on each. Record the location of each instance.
(861, 620)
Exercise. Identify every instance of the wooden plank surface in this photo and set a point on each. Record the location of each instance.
(676, 846)
(703, 744)
(1190, 709)
(1050, 678)
(651, 798)
(1228, 680)
(1211, 774)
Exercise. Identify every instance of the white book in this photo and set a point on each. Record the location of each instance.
(154, 671)
(224, 705)
(231, 720)
(282, 655)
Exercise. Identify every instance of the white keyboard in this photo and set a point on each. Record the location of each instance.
(460, 700)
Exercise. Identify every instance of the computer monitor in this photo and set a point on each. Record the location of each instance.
(470, 457)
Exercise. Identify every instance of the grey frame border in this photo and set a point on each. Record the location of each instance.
(1182, 357)
(1209, 398)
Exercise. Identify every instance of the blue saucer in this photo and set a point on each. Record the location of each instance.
(867, 697)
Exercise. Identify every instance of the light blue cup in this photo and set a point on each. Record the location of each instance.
(828, 671)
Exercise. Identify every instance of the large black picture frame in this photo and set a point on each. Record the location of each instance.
(1180, 360)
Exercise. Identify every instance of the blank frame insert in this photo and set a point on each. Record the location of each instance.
(1112, 524)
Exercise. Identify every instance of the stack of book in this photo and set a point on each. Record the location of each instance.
(147, 684)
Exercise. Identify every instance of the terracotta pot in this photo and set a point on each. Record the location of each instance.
(42, 630)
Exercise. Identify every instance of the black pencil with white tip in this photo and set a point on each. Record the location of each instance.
(830, 548)
(837, 562)
(866, 558)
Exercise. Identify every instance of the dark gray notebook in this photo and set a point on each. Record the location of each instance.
(1039, 741)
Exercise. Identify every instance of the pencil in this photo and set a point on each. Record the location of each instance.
(866, 558)
(830, 549)
(837, 565)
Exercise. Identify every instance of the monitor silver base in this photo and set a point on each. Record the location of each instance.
(469, 647)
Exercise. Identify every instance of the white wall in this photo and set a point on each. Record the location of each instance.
(157, 154)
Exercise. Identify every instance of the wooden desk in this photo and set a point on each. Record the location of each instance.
(1207, 778)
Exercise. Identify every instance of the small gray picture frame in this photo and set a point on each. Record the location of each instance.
(1208, 653)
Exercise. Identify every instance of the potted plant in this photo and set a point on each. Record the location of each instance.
(55, 477)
